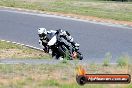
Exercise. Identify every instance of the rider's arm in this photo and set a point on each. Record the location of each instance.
(44, 46)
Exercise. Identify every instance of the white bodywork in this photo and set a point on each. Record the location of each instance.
(52, 41)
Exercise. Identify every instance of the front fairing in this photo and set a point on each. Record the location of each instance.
(52, 41)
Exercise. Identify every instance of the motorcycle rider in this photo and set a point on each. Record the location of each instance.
(43, 38)
(45, 35)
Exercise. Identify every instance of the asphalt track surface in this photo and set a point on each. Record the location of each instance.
(95, 39)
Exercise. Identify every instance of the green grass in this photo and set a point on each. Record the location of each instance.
(123, 60)
(97, 8)
(59, 75)
(107, 58)
(5, 45)
(9, 50)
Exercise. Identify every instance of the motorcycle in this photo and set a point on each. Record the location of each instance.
(59, 48)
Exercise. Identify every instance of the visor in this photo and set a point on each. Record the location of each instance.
(42, 35)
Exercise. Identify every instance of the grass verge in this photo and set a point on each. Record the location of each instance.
(9, 50)
(102, 9)
(54, 76)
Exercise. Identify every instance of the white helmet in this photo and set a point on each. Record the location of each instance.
(42, 30)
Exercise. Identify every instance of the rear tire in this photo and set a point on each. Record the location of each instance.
(65, 52)
(61, 51)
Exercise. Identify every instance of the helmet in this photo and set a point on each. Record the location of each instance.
(42, 32)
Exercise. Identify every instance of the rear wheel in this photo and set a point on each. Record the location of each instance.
(61, 51)
(65, 52)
